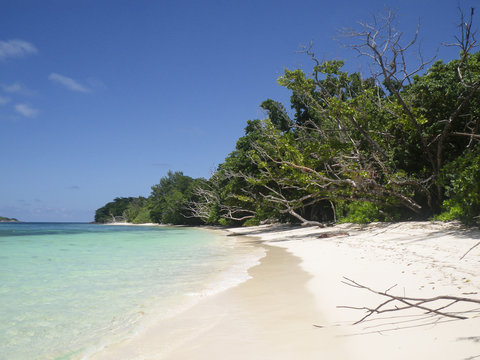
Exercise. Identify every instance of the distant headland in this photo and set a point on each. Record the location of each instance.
(6, 219)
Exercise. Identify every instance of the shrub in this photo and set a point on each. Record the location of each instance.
(252, 222)
(461, 179)
(361, 212)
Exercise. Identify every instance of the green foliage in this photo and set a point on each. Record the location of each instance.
(143, 217)
(170, 198)
(115, 208)
(137, 211)
(461, 179)
(453, 212)
(439, 92)
(167, 204)
(277, 114)
(252, 222)
(361, 213)
(223, 222)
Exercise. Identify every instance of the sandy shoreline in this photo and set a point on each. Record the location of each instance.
(288, 310)
(253, 320)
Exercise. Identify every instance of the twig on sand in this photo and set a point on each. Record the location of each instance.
(473, 247)
(399, 303)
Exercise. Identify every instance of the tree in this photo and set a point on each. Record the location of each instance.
(414, 100)
(137, 211)
(168, 202)
(113, 209)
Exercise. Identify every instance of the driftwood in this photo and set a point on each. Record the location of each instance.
(399, 303)
(473, 247)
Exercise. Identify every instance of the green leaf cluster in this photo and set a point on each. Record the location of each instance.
(461, 179)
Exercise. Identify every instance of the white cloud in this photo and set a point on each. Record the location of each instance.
(26, 110)
(4, 100)
(69, 83)
(16, 48)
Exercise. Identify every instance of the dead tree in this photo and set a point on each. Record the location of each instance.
(210, 198)
(206, 197)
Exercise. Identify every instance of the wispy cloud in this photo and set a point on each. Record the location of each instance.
(14, 88)
(17, 88)
(4, 100)
(69, 83)
(16, 48)
(26, 110)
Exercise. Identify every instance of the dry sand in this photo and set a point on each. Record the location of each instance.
(288, 310)
(421, 258)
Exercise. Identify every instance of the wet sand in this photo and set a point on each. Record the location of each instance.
(270, 316)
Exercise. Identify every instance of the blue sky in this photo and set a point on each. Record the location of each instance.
(99, 99)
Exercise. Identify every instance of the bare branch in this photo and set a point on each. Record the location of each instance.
(473, 247)
(409, 303)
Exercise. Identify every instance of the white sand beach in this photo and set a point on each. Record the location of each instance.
(289, 309)
(421, 258)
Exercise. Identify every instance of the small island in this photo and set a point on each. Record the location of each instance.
(6, 219)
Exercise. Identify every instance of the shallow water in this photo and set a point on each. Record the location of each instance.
(68, 289)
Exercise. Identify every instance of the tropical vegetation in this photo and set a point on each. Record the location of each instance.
(401, 143)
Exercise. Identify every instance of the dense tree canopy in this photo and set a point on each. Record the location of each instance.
(166, 204)
(169, 199)
(113, 209)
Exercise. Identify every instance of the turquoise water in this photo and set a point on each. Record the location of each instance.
(66, 290)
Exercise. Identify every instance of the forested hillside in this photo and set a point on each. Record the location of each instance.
(6, 219)
(402, 142)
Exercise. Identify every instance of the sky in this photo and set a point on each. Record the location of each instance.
(99, 99)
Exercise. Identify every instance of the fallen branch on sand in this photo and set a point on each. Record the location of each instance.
(473, 247)
(399, 303)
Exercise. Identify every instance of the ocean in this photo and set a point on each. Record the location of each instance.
(67, 290)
